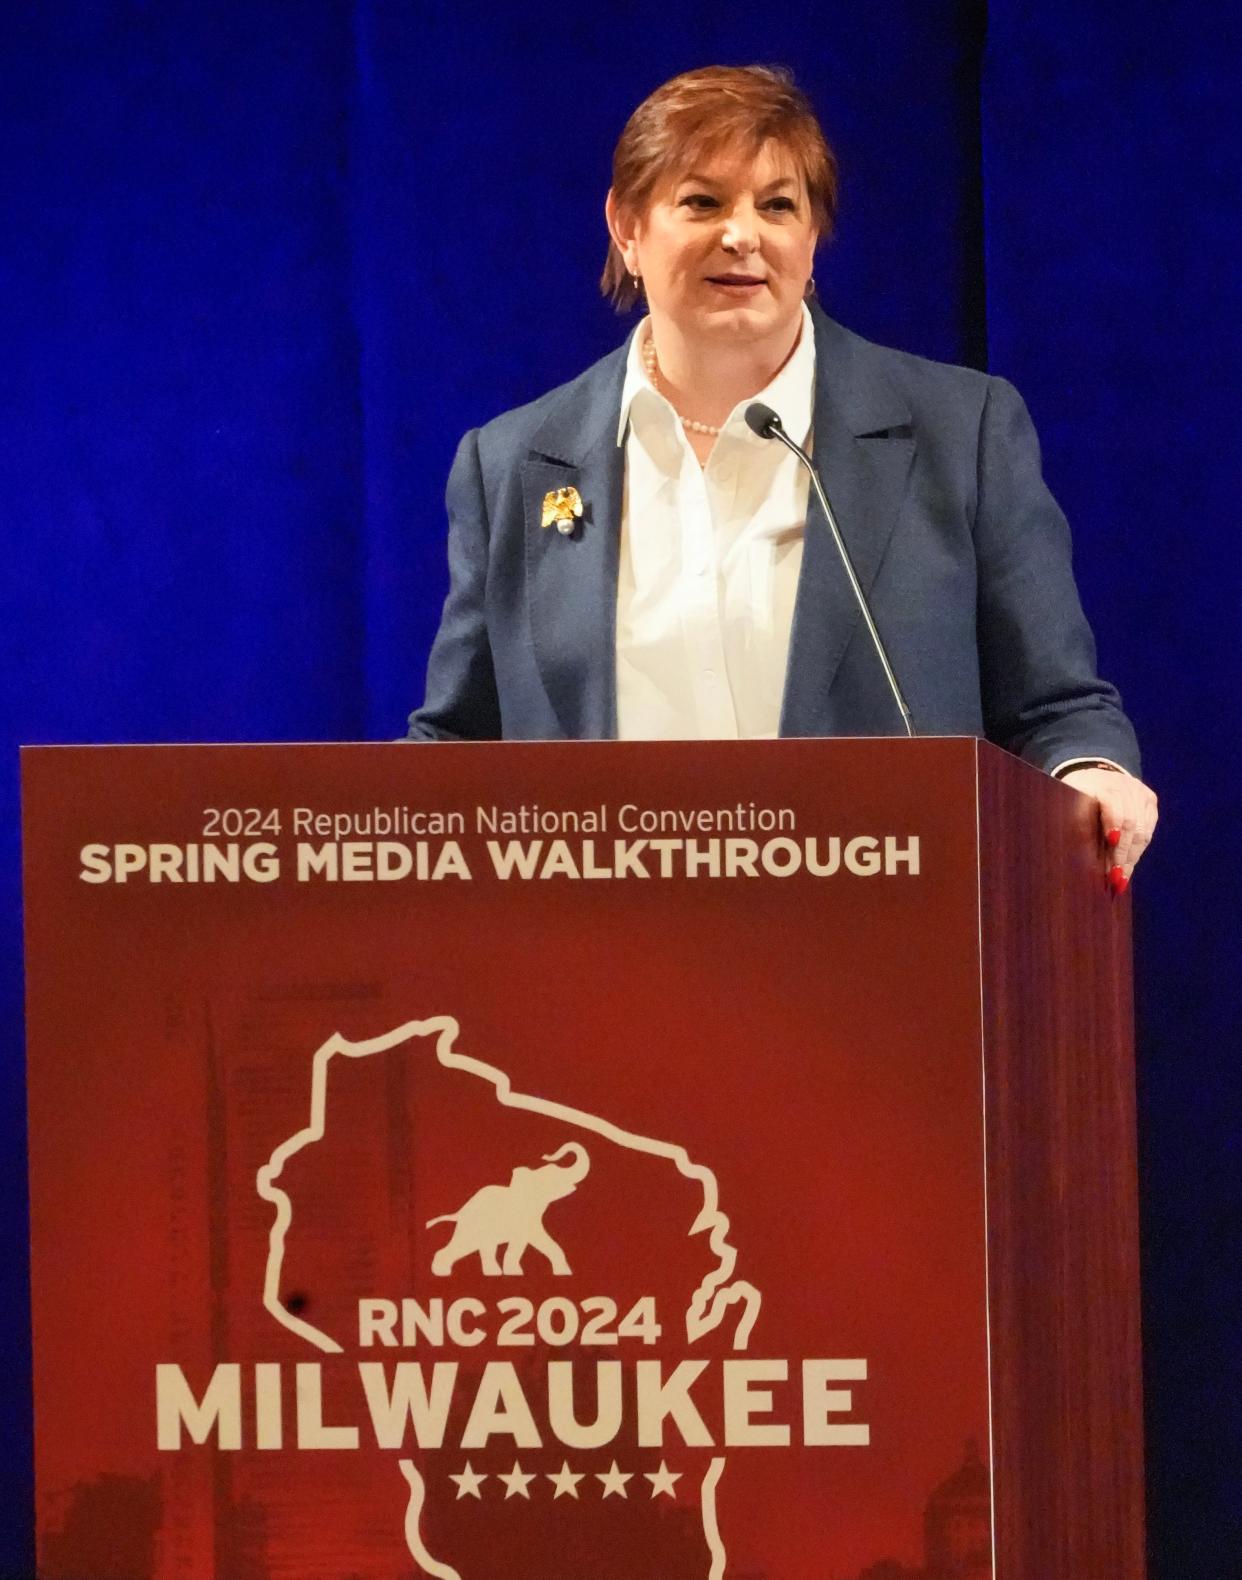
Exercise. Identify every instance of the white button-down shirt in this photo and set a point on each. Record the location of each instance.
(710, 557)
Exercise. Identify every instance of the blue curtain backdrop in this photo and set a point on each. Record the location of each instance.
(261, 263)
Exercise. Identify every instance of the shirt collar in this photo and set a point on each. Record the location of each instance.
(791, 394)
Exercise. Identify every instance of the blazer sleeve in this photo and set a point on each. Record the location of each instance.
(1041, 695)
(460, 701)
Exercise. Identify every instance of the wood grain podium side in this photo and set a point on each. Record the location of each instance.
(1062, 1187)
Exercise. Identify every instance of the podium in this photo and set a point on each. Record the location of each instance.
(580, 1161)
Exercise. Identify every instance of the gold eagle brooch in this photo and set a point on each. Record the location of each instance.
(562, 509)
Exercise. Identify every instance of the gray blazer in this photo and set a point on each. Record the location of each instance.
(934, 474)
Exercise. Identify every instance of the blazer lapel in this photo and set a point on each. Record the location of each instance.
(571, 580)
(863, 449)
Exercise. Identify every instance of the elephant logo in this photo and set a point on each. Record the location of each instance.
(512, 1215)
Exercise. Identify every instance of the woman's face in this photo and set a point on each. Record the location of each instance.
(725, 251)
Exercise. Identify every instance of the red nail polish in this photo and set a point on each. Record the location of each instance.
(1113, 837)
(1117, 877)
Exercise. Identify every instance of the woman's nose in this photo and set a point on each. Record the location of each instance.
(741, 234)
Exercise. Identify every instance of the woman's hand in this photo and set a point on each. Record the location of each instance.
(1127, 818)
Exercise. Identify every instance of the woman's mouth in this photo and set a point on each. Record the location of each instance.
(736, 284)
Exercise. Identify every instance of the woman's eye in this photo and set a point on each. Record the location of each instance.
(698, 200)
(782, 205)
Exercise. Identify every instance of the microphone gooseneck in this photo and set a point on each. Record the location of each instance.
(762, 420)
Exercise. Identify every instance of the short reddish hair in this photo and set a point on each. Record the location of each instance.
(701, 112)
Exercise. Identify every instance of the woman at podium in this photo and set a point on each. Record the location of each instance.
(631, 557)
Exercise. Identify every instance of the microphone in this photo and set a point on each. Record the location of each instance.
(762, 420)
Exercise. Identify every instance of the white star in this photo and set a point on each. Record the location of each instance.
(517, 1481)
(565, 1482)
(468, 1483)
(614, 1481)
(662, 1480)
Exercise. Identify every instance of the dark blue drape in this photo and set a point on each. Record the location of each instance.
(262, 264)
(1113, 194)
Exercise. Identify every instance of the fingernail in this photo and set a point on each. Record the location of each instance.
(1117, 877)
(1114, 836)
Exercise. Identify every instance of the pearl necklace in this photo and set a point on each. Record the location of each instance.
(653, 373)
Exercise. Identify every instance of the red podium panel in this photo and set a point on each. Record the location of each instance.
(574, 1161)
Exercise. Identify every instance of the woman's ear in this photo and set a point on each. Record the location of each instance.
(622, 229)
